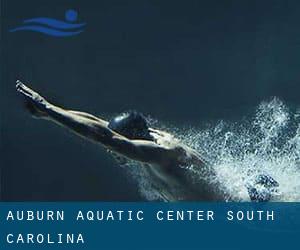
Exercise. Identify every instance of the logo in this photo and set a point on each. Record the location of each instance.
(53, 27)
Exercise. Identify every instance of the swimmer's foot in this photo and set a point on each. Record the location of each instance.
(263, 188)
(34, 103)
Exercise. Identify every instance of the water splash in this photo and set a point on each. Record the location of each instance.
(267, 142)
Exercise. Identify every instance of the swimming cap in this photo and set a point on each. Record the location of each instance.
(132, 125)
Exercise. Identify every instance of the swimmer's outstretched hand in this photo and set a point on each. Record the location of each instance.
(35, 103)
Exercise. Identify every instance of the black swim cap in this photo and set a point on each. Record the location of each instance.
(132, 125)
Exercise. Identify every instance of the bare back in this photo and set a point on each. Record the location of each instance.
(184, 174)
(167, 159)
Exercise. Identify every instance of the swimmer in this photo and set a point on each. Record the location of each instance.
(129, 136)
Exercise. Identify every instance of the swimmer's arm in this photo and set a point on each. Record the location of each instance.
(83, 124)
(142, 150)
(87, 115)
(96, 129)
(38, 103)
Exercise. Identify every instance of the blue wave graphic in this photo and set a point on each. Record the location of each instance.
(47, 31)
(53, 23)
(55, 27)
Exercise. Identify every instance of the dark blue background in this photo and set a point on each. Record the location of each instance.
(182, 62)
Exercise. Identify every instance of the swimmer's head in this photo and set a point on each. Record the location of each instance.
(132, 125)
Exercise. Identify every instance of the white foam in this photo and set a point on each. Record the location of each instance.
(268, 142)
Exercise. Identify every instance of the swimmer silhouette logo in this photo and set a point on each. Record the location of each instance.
(53, 27)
